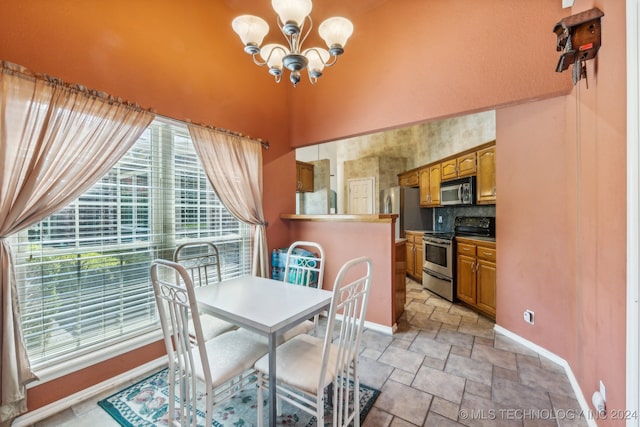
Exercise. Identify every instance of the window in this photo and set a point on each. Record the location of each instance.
(83, 273)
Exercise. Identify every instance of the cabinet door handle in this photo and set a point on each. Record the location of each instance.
(487, 253)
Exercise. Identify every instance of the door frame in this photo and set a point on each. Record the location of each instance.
(633, 211)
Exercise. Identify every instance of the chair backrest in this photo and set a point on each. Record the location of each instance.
(305, 264)
(176, 302)
(349, 301)
(201, 260)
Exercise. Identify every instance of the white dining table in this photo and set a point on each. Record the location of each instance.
(266, 306)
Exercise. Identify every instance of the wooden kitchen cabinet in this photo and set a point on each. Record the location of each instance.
(409, 179)
(304, 177)
(486, 176)
(476, 275)
(430, 185)
(414, 254)
(459, 167)
(466, 277)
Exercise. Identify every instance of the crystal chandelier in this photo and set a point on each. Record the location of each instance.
(293, 16)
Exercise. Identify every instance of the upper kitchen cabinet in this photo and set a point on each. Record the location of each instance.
(459, 167)
(486, 178)
(304, 177)
(409, 179)
(430, 185)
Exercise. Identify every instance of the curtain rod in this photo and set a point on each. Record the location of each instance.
(12, 68)
(265, 144)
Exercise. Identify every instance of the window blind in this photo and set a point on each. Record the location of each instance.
(83, 273)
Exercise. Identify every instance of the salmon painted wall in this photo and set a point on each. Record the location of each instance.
(433, 59)
(561, 233)
(180, 58)
(413, 60)
(343, 241)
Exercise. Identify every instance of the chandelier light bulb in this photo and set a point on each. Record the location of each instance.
(272, 54)
(335, 32)
(292, 11)
(317, 58)
(251, 30)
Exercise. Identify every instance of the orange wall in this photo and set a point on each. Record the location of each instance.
(180, 58)
(409, 61)
(414, 60)
(561, 228)
(343, 241)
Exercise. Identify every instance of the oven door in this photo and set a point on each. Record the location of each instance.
(437, 255)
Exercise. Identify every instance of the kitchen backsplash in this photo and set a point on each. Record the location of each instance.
(449, 214)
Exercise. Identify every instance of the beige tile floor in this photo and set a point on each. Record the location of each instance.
(445, 366)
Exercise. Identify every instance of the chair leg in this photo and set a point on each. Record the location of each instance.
(320, 409)
(209, 417)
(278, 406)
(259, 399)
(356, 401)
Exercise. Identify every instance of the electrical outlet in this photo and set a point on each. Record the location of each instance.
(528, 316)
(439, 219)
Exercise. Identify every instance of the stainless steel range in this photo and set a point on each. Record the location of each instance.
(438, 266)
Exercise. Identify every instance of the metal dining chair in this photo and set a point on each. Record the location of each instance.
(202, 261)
(307, 365)
(224, 365)
(304, 266)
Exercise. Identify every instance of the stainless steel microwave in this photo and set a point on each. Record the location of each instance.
(458, 192)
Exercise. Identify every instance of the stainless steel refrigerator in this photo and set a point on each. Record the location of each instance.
(405, 201)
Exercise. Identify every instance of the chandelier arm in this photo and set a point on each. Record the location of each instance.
(329, 63)
(301, 40)
(258, 62)
(289, 37)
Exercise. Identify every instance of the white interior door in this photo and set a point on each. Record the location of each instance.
(361, 200)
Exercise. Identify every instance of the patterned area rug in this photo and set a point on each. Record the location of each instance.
(145, 404)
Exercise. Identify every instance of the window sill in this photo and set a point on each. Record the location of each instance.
(70, 366)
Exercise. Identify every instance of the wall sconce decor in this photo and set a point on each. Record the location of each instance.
(578, 40)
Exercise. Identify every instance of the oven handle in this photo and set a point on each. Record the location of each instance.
(436, 275)
(437, 242)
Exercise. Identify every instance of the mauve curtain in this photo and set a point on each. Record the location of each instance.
(56, 141)
(234, 167)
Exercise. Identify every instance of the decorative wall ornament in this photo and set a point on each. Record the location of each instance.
(579, 40)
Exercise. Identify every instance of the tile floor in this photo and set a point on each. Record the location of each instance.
(444, 367)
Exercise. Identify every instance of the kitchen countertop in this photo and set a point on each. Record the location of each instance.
(341, 218)
(480, 238)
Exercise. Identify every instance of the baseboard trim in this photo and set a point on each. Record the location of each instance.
(387, 330)
(32, 417)
(560, 361)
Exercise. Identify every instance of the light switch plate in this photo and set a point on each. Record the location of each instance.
(567, 3)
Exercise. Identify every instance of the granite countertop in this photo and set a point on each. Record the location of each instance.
(482, 239)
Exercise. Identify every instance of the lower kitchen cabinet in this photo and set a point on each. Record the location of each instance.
(414, 254)
(476, 275)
